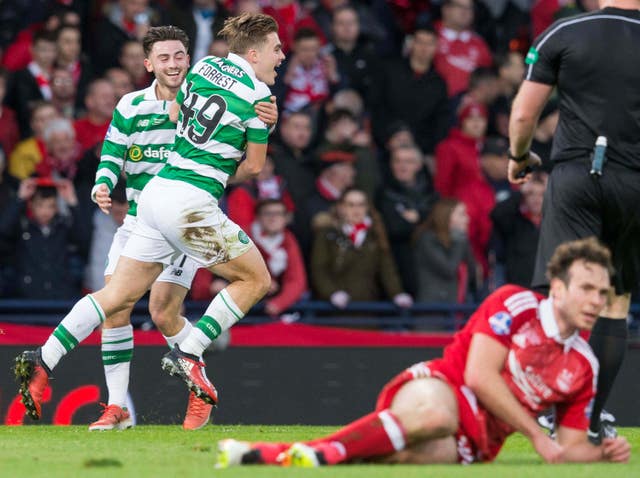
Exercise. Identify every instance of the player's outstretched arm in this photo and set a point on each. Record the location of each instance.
(253, 163)
(485, 361)
(577, 448)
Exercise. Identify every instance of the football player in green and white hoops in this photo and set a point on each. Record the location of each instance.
(138, 143)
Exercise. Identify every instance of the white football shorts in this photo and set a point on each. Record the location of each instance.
(176, 218)
(180, 272)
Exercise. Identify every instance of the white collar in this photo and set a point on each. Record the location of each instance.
(453, 35)
(242, 63)
(150, 91)
(550, 325)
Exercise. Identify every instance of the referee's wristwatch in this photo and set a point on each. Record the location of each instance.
(518, 159)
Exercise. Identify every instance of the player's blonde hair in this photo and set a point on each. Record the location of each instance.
(588, 250)
(247, 31)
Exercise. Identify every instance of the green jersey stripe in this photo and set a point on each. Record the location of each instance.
(114, 149)
(190, 154)
(139, 181)
(232, 137)
(260, 136)
(200, 166)
(107, 177)
(133, 208)
(111, 166)
(212, 186)
(139, 168)
(107, 181)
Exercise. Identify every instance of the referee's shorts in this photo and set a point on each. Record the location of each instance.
(578, 205)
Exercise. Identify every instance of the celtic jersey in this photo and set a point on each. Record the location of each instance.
(138, 142)
(217, 119)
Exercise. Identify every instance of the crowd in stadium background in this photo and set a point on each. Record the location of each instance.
(405, 103)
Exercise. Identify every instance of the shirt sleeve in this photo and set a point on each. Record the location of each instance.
(573, 413)
(257, 131)
(114, 149)
(543, 58)
(503, 313)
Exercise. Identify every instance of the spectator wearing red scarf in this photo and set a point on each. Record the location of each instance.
(33, 83)
(63, 152)
(351, 259)
(309, 73)
(30, 152)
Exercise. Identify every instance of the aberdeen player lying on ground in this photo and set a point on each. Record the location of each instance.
(519, 354)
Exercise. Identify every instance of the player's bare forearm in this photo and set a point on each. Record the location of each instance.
(577, 448)
(485, 361)
(618, 451)
(255, 157)
(243, 173)
(525, 111)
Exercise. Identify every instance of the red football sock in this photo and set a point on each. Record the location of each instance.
(376, 434)
(270, 451)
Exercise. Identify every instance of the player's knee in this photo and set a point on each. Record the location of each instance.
(164, 314)
(426, 408)
(262, 282)
(437, 422)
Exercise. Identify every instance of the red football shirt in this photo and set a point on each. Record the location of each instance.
(542, 370)
(459, 53)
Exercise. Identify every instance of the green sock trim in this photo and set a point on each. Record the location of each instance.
(68, 341)
(112, 357)
(209, 327)
(128, 339)
(229, 307)
(95, 306)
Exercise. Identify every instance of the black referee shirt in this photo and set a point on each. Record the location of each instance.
(594, 59)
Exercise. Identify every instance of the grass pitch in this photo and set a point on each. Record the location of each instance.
(155, 451)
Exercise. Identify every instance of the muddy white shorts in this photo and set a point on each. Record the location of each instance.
(180, 272)
(176, 218)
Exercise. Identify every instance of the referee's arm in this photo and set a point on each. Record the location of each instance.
(525, 111)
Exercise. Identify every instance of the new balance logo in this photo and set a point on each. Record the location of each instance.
(176, 272)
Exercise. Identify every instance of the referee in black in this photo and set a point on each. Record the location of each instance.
(594, 62)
